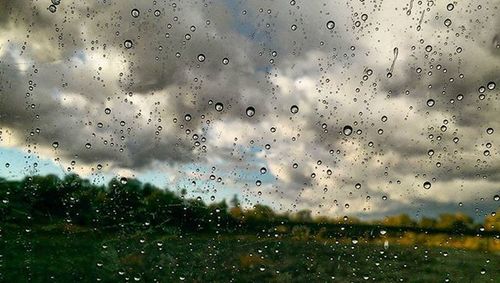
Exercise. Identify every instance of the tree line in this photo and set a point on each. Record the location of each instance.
(130, 204)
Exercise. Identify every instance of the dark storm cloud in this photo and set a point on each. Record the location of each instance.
(78, 66)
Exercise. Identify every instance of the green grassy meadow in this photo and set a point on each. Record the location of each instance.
(85, 256)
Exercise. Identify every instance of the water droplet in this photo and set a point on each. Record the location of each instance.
(157, 13)
(491, 85)
(107, 111)
(428, 48)
(496, 197)
(55, 144)
(258, 183)
(450, 7)
(225, 61)
(330, 25)
(128, 44)
(88, 145)
(250, 111)
(219, 106)
(447, 22)
(357, 186)
(263, 170)
(347, 130)
(294, 27)
(427, 185)
(52, 8)
(384, 118)
(201, 57)
(187, 117)
(294, 109)
(123, 180)
(135, 13)
(489, 131)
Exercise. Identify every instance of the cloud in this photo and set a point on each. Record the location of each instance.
(68, 78)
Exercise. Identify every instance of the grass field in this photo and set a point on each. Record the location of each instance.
(150, 257)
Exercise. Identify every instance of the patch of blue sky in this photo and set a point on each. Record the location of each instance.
(16, 164)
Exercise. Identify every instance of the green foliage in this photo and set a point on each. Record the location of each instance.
(124, 204)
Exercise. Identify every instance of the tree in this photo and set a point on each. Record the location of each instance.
(457, 222)
(492, 221)
(304, 215)
(426, 222)
(236, 211)
(260, 212)
(402, 220)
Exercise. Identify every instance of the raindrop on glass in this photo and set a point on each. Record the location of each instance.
(250, 111)
(219, 106)
(52, 8)
(128, 44)
(330, 24)
(135, 13)
(347, 130)
(491, 85)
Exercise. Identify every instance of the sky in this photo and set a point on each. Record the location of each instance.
(364, 108)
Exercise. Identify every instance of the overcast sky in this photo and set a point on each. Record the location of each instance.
(389, 95)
